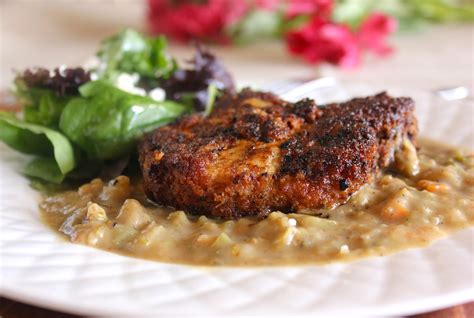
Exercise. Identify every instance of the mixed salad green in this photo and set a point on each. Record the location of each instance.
(77, 122)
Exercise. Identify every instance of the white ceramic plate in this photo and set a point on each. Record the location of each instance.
(39, 268)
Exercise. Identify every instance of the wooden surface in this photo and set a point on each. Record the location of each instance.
(13, 309)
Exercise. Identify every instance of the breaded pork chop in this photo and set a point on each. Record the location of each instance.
(257, 153)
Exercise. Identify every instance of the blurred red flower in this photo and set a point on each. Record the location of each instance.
(374, 31)
(265, 4)
(309, 7)
(323, 41)
(186, 20)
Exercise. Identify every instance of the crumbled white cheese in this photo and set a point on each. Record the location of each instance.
(137, 109)
(344, 249)
(288, 236)
(157, 94)
(291, 222)
(127, 82)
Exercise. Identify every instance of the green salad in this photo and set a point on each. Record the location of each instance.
(76, 122)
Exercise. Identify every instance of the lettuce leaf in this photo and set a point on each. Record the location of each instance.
(132, 52)
(192, 85)
(41, 106)
(44, 94)
(106, 121)
(212, 94)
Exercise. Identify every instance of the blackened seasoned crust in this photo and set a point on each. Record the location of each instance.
(257, 153)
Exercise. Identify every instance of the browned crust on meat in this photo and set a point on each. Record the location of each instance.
(257, 153)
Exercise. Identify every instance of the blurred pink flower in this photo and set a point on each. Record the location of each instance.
(265, 4)
(309, 7)
(374, 31)
(186, 20)
(323, 41)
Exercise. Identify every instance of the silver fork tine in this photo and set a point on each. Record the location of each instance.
(281, 87)
(287, 88)
(453, 93)
(306, 88)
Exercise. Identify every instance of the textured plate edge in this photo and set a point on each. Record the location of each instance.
(412, 308)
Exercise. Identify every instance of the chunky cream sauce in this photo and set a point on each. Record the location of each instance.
(423, 198)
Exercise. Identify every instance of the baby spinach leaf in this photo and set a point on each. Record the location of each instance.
(38, 140)
(45, 169)
(106, 121)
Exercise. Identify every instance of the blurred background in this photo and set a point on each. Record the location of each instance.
(429, 46)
